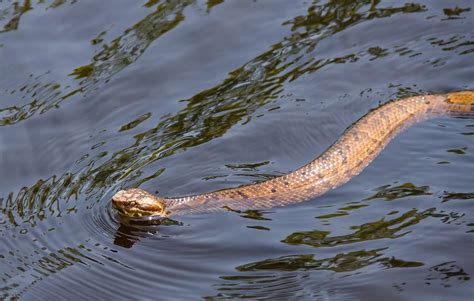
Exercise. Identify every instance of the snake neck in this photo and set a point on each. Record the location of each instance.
(177, 201)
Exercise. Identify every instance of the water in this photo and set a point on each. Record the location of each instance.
(183, 97)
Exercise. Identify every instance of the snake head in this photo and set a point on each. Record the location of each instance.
(137, 202)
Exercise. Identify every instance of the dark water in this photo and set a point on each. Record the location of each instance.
(182, 97)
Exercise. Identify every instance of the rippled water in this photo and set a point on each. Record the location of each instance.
(183, 97)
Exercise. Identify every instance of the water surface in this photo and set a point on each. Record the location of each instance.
(184, 97)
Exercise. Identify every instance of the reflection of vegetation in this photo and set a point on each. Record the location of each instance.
(212, 3)
(247, 166)
(391, 193)
(40, 200)
(343, 262)
(284, 274)
(448, 196)
(288, 271)
(134, 123)
(447, 273)
(255, 215)
(343, 211)
(458, 151)
(205, 116)
(353, 206)
(470, 225)
(332, 215)
(52, 263)
(114, 57)
(259, 228)
(208, 114)
(126, 49)
(212, 112)
(14, 12)
(454, 13)
(369, 231)
(262, 77)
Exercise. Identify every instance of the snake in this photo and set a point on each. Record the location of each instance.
(347, 157)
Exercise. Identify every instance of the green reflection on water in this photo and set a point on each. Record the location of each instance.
(380, 229)
(247, 166)
(353, 207)
(36, 269)
(342, 262)
(113, 58)
(448, 196)
(135, 123)
(342, 211)
(458, 151)
(261, 77)
(331, 215)
(390, 193)
(446, 273)
(13, 14)
(455, 13)
(259, 228)
(255, 215)
(35, 203)
(287, 274)
(212, 3)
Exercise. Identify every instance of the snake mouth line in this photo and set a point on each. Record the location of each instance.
(120, 211)
(138, 216)
(140, 219)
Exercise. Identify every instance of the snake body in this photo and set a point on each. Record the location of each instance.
(347, 157)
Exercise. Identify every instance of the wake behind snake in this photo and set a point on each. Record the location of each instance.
(346, 158)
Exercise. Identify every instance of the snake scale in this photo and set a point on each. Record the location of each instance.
(347, 157)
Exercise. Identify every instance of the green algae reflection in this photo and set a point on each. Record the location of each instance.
(286, 275)
(113, 58)
(342, 262)
(380, 229)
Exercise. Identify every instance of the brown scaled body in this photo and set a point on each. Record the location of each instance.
(347, 157)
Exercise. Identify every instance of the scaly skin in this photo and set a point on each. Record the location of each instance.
(347, 157)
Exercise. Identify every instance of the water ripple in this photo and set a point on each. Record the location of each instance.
(311, 69)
